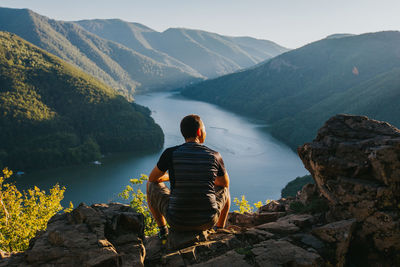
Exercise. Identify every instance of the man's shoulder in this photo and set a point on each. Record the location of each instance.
(212, 151)
(171, 149)
(193, 147)
(209, 149)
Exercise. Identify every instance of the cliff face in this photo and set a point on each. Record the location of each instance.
(355, 162)
(350, 217)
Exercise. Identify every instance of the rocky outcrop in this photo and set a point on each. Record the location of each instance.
(269, 244)
(350, 217)
(112, 235)
(99, 235)
(355, 162)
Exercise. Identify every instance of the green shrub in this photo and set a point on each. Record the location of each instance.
(244, 205)
(138, 202)
(22, 215)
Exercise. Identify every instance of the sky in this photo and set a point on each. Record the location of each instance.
(291, 23)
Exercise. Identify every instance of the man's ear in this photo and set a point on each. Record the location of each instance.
(198, 132)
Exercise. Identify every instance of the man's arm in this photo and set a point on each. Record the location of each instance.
(222, 181)
(158, 176)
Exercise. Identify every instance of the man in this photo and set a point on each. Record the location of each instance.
(199, 196)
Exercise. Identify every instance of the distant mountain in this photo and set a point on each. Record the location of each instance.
(195, 51)
(130, 56)
(52, 113)
(339, 35)
(119, 66)
(212, 54)
(298, 90)
(132, 36)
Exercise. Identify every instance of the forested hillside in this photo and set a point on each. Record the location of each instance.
(119, 66)
(53, 114)
(298, 90)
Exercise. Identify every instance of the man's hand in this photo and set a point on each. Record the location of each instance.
(222, 181)
(158, 176)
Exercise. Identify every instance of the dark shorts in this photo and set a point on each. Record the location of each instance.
(159, 194)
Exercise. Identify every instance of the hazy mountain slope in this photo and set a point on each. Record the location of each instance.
(339, 35)
(259, 49)
(52, 113)
(94, 55)
(194, 51)
(208, 53)
(298, 90)
(176, 43)
(131, 36)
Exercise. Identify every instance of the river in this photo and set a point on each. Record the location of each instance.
(258, 165)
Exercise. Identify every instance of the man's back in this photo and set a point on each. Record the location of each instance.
(199, 197)
(192, 170)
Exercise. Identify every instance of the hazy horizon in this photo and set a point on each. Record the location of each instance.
(289, 23)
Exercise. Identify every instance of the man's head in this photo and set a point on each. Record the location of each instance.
(192, 128)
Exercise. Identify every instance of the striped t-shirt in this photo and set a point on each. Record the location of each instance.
(192, 169)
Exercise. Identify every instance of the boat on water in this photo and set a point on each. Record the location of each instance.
(96, 162)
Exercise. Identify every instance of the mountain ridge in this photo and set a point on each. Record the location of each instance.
(96, 56)
(131, 56)
(138, 43)
(284, 90)
(157, 40)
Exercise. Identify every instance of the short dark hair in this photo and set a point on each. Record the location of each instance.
(190, 124)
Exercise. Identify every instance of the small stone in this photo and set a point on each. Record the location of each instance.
(266, 217)
(311, 241)
(300, 220)
(283, 253)
(308, 192)
(282, 227)
(340, 233)
(273, 206)
(178, 239)
(254, 235)
(243, 220)
(231, 259)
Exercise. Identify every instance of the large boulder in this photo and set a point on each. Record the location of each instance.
(355, 162)
(97, 235)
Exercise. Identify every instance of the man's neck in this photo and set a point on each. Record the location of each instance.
(192, 140)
